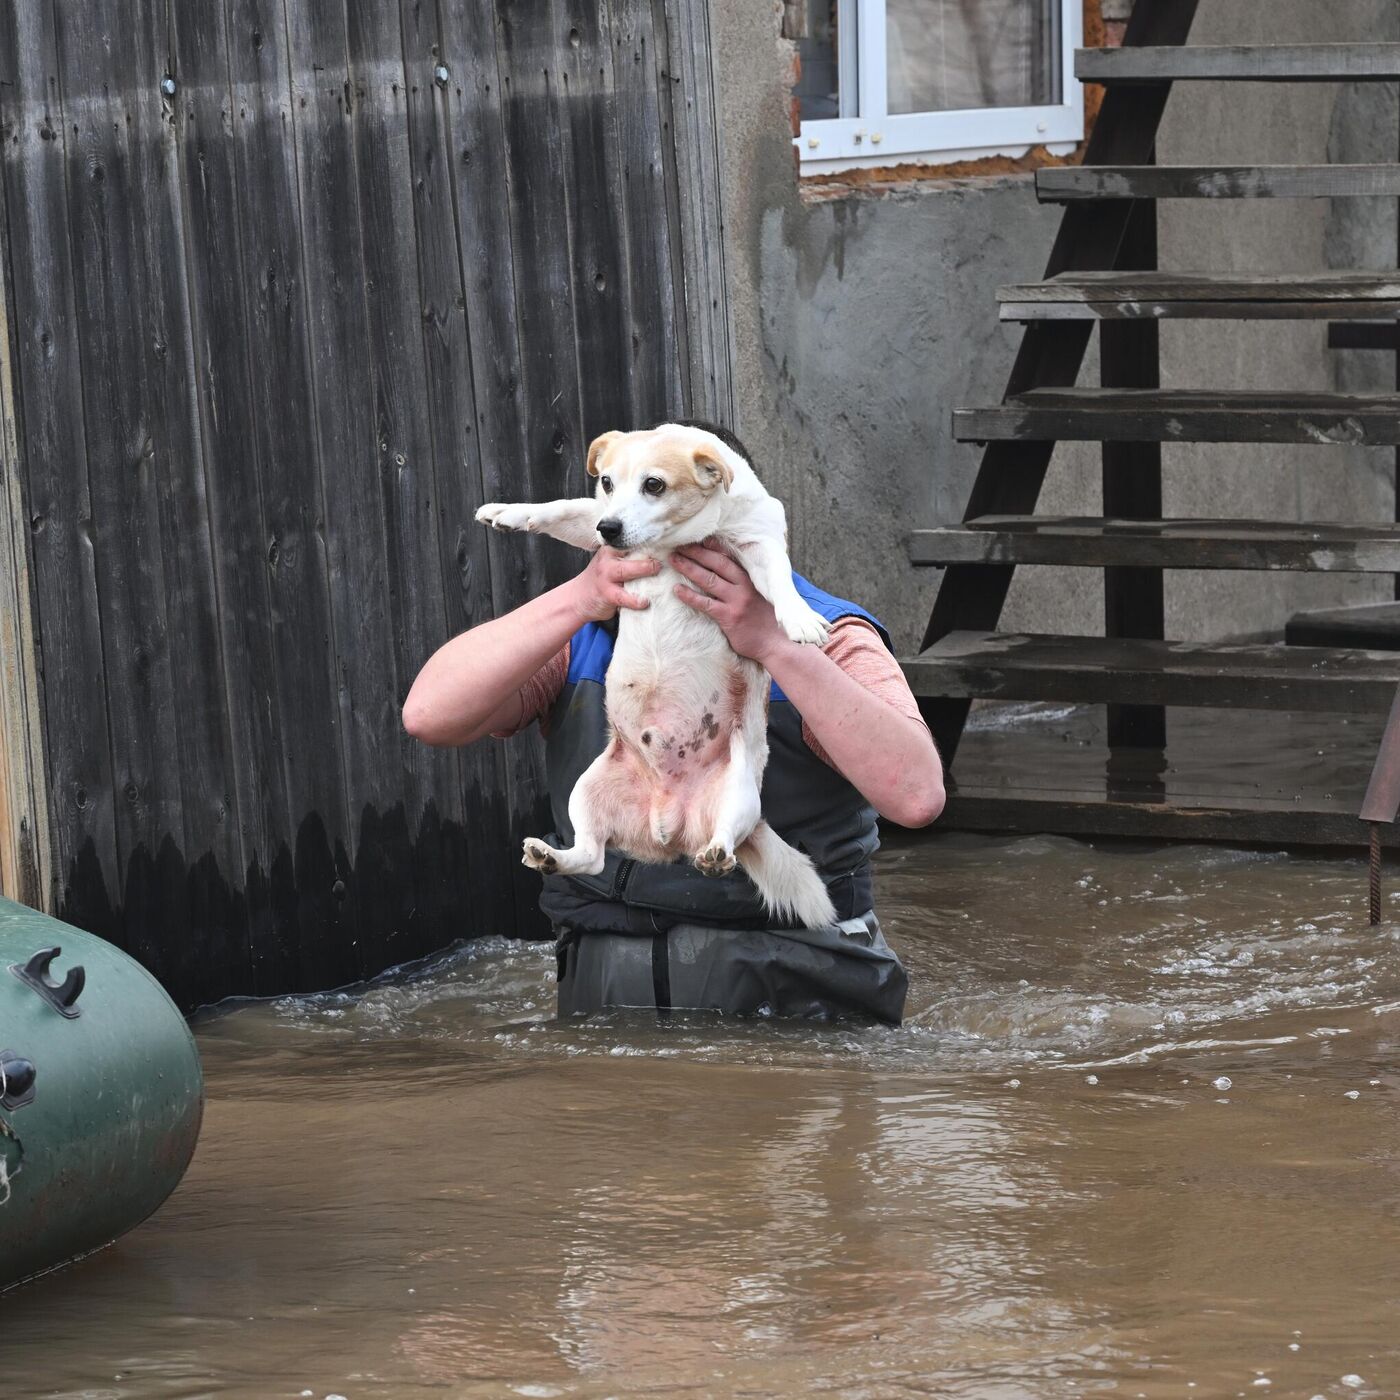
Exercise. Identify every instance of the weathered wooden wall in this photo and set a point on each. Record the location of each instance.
(294, 286)
(24, 823)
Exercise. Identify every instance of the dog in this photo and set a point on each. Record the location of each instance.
(681, 773)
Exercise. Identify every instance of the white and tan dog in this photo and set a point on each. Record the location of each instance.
(688, 717)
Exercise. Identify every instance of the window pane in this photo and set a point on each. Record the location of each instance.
(950, 55)
(819, 87)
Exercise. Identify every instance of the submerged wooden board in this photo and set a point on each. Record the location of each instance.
(1060, 184)
(1184, 415)
(1291, 63)
(1015, 666)
(1074, 813)
(1162, 544)
(1226, 775)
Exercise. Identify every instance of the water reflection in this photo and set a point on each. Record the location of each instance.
(427, 1186)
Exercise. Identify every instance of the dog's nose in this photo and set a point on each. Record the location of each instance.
(610, 529)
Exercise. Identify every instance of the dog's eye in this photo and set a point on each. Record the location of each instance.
(653, 486)
(607, 484)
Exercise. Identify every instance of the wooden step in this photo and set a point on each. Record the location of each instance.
(1124, 296)
(1066, 183)
(1162, 544)
(1272, 63)
(1184, 415)
(1121, 671)
(1372, 625)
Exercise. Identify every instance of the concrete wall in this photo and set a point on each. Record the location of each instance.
(862, 320)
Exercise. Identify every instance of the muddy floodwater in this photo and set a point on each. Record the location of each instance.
(1139, 1137)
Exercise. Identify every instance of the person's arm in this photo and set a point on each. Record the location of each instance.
(470, 687)
(889, 757)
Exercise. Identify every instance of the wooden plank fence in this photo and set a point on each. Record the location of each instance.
(291, 287)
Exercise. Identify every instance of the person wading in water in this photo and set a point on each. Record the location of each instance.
(847, 745)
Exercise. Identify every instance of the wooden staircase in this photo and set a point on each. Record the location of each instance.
(1103, 274)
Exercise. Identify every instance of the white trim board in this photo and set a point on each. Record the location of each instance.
(876, 138)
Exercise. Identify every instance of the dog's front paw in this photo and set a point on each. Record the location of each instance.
(539, 857)
(802, 624)
(503, 517)
(715, 860)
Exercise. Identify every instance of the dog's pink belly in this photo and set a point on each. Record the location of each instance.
(669, 773)
(676, 745)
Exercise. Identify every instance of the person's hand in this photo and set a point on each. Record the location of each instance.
(599, 591)
(724, 591)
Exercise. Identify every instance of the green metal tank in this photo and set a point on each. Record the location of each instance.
(101, 1094)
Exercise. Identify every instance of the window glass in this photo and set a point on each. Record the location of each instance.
(819, 88)
(952, 55)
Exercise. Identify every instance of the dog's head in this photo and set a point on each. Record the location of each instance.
(661, 487)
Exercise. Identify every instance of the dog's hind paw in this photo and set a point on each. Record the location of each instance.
(539, 857)
(802, 624)
(504, 517)
(715, 860)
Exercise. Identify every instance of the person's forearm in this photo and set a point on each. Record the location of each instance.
(466, 682)
(888, 756)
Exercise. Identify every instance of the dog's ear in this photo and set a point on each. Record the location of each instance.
(711, 469)
(596, 449)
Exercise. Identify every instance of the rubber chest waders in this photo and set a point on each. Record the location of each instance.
(665, 936)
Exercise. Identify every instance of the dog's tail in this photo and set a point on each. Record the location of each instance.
(787, 880)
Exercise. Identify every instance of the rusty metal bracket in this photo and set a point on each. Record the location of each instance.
(1382, 801)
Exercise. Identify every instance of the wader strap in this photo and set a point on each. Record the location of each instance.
(661, 972)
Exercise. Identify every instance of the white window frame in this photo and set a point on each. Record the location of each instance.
(874, 137)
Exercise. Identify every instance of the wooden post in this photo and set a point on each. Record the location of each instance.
(25, 860)
(1132, 483)
(1382, 800)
